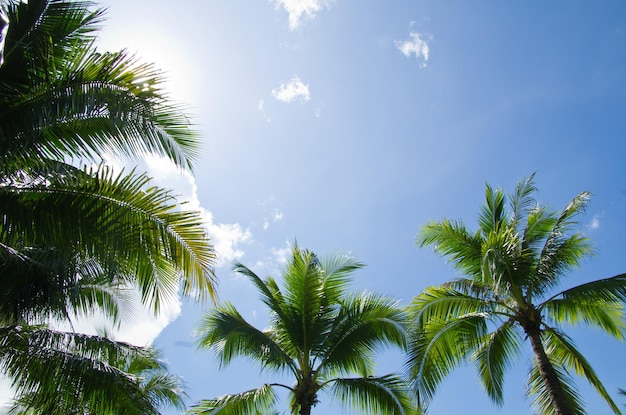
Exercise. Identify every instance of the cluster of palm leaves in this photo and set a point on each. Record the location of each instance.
(514, 265)
(74, 234)
(324, 337)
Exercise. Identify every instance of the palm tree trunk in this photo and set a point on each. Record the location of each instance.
(548, 374)
(305, 409)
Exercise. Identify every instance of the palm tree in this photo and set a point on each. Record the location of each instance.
(318, 333)
(514, 264)
(63, 103)
(73, 238)
(119, 378)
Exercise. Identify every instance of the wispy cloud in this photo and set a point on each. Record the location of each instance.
(595, 223)
(292, 90)
(417, 45)
(281, 255)
(300, 9)
(261, 107)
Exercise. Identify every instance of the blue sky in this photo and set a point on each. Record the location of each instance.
(348, 124)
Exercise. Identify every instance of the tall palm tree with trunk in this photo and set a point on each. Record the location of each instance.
(74, 234)
(513, 267)
(318, 333)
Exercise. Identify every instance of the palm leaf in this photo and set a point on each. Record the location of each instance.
(111, 214)
(562, 252)
(375, 395)
(608, 316)
(493, 213)
(607, 289)
(254, 401)
(79, 102)
(225, 331)
(541, 401)
(57, 372)
(446, 302)
(439, 346)
(563, 353)
(521, 200)
(363, 323)
(453, 240)
(494, 356)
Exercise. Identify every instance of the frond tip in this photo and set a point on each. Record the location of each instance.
(254, 401)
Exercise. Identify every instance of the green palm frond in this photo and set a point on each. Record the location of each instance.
(494, 356)
(452, 239)
(439, 346)
(337, 270)
(304, 294)
(163, 389)
(492, 216)
(58, 372)
(40, 33)
(110, 214)
(522, 201)
(607, 289)
(225, 331)
(562, 251)
(268, 289)
(255, 401)
(539, 224)
(541, 398)
(75, 101)
(363, 323)
(501, 263)
(374, 395)
(563, 353)
(446, 302)
(39, 282)
(604, 314)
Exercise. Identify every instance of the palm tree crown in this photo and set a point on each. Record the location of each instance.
(513, 266)
(318, 333)
(74, 237)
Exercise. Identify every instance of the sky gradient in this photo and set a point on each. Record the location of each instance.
(346, 125)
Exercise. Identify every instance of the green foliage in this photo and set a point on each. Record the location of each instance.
(74, 239)
(318, 333)
(513, 266)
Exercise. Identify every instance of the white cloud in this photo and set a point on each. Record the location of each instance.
(277, 215)
(417, 45)
(595, 223)
(227, 238)
(294, 89)
(299, 9)
(281, 255)
(138, 326)
(6, 394)
(261, 107)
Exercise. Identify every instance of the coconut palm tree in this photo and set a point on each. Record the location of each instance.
(62, 103)
(514, 265)
(75, 235)
(118, 378)
(318, 333)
